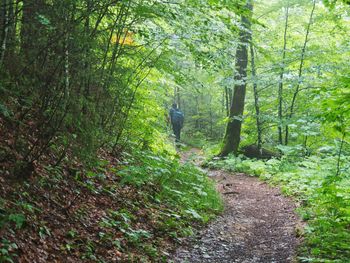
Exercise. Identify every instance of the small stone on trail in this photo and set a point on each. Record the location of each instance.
(206, 256)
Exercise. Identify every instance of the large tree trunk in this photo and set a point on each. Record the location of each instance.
(234, 125)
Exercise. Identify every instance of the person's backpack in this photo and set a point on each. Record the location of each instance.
(178, 118)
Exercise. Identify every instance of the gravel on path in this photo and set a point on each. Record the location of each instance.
(258, 225)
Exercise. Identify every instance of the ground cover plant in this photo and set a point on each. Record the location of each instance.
(118, 211)
(323, 198)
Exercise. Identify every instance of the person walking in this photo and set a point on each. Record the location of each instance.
(177, 121)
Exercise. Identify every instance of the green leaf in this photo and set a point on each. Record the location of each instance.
(4, 111)
(194, 214)
(18, 219)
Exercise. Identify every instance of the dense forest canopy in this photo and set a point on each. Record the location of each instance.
(108, 62)
(84, 80)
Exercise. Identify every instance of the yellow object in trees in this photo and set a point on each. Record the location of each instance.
(124, 39)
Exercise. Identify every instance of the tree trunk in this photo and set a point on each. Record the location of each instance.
(234, 125)
(211, 123)
(4, 28)
(256, 99)
(66, 64)
(301, 66)
(340, 153)
(30, 27)
(178, 97)
(227, 101)
(12, 41)
(87, 64)
(280, 85)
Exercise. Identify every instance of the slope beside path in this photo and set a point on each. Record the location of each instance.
(258, 224)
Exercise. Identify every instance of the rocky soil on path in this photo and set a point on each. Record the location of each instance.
(258, 225)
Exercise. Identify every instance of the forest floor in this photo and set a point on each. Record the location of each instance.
(258, 224)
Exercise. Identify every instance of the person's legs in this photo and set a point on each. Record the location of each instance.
(177, 133)
(174, 129)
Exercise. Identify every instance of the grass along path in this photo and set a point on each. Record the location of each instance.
(258, 224)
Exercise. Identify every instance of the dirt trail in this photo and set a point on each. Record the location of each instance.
(258, 224)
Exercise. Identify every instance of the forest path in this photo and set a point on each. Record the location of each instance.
(258, 224)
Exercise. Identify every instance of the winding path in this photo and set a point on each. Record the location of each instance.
(258, 224)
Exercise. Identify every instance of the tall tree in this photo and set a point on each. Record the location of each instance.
(259, 122)
(281, 77)
(233, 130)
(31, 27)
(300, 72)
(4, 25)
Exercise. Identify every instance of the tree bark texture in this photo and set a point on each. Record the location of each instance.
(234, 125)
(4, 21)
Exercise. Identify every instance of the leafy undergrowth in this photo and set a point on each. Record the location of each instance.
(324, 199)
(129, 211)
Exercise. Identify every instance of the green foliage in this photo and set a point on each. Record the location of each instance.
(324, 198)
(94, 84)
(83, 78)
(89, 253)
(4, 111)
(6, 251)
(11, 221)
(18, 219)
(44, 232)
(180, 186)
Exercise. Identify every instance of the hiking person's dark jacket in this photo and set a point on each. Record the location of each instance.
(177, 120)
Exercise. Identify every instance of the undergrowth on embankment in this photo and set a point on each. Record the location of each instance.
(323, 194)
(126, 211)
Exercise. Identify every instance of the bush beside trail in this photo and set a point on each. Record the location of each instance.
(130, 210)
